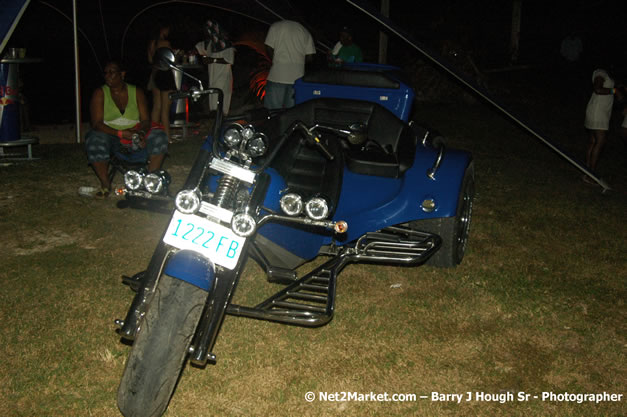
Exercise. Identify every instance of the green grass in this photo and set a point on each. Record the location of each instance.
(537, 305)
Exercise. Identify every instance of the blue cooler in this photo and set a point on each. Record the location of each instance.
(381, 84)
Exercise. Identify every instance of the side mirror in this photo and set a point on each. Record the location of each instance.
(164, 59)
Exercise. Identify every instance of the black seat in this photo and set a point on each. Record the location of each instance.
(396, 142)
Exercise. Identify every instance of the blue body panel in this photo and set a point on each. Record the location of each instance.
(370, 203)
(207, 145)
(399, 101)
(191, 267)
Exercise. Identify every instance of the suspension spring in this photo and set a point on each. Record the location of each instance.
(225, 194)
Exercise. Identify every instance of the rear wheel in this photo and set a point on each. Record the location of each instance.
(453, 230)
(160, 349)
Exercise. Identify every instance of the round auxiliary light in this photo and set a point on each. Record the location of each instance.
(292, 204)
(248, 132)
(233, 136)
(243, 224)
(133, 180)
(257, 146)
(340, 227)
(317, 208)
(153, 183)
(187, 201)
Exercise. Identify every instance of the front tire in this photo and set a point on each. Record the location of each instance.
(160, 349)
(453, 230)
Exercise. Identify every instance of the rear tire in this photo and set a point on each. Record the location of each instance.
(160, 349)
(453, 230)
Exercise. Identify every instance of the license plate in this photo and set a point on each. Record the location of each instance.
(216, 242)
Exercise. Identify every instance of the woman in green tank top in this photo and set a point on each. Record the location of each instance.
(118, 110)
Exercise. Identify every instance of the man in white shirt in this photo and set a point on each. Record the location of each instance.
(289, 45)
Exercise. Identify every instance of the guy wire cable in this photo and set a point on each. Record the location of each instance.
(392, 28)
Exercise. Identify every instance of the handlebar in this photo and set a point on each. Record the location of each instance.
(263, 113)
(179, 95)
(194, 94)
(311, 137)
(316, 141)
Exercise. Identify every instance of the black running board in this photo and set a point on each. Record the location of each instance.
(310, 300)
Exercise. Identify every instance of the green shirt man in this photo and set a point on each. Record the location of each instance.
(346, 51)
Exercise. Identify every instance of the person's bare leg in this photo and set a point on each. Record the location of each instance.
(591, 141)
(597, 147)
(155, 162)
(102, 172)
(165, 112)
(155, 114)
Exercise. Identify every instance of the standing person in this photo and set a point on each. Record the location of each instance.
(119, 110)
(598, 113)
(345, 51)
(288, 45)
(219, 54)
(161, 83)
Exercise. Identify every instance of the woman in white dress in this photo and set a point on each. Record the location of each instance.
(598, 113)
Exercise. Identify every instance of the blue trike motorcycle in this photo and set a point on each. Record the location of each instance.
(341, 178)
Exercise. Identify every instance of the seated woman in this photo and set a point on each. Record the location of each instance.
(119, 110)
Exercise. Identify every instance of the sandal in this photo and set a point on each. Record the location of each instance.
(102, 194)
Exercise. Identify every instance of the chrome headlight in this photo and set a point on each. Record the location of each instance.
(153, 183)
(317, 208)
(292, 204)
(243, 224)
(133, 180)
(257, 146)
(248, 132)
(187, 201)
(233, 135)
(156, 182)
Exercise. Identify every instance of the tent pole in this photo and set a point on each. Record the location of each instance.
(76, 76)
(383, 37)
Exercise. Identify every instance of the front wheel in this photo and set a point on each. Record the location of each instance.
(453, 230)
(160, 349)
